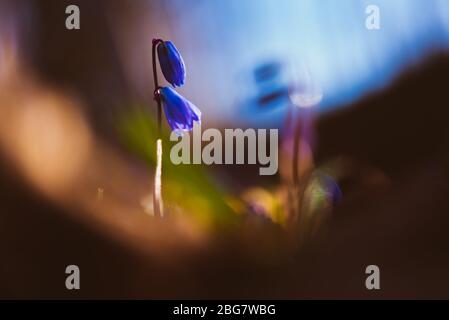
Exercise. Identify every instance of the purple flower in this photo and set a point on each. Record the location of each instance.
(179, 111)
(171, 63)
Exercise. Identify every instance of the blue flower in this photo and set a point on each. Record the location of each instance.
(171, 63)
(179, 111)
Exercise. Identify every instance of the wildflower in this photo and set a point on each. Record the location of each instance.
(171, 63)
(179, 111)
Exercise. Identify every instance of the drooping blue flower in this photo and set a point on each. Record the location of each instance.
(171, 63)
(179, 111)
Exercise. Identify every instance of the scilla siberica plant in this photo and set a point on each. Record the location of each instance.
(179, 112)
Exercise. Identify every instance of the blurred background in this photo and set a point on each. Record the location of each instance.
(363, 161)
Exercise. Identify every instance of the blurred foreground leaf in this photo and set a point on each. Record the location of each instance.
(187, 189)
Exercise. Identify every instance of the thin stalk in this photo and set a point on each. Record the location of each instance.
(156, 42)
(295, 163)
(301, 180)
(296, 150)
(286, 180)
(157, 189)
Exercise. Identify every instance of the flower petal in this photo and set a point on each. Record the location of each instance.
(172, 64)
(179, 112)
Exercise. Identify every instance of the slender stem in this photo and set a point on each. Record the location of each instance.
(297, 127)
(301, 179)
(289, 182)
(296, 150)
(156, 42)
(157, 189)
